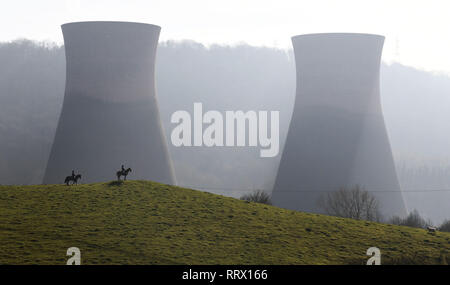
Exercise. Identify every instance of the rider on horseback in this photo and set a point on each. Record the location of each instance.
(123, 172)
(74, 178)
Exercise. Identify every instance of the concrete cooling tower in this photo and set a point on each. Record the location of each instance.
(110, 112)
(337, 136)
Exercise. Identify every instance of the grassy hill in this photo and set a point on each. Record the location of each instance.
(142, 222)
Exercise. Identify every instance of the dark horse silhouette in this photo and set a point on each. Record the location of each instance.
(74, 179)
(123, 173)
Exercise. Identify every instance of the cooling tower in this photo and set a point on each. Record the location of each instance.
(110, 112)
(337, 136)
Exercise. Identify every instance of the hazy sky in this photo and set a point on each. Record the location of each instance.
(417, 32)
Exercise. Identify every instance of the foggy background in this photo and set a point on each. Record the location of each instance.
(416, 107)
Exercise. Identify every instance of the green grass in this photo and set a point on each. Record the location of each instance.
(142, 222)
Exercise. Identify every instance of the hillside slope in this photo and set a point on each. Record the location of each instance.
(142, 222)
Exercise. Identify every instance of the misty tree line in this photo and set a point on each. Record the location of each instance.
(356, 203)
(224, 78)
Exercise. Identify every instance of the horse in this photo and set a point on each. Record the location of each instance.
(73, 179)
(123, 173)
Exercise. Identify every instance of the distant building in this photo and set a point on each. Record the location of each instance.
(110, 113)
(337, 136)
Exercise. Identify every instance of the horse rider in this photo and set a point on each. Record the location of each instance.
(123, 168)
(73, 174)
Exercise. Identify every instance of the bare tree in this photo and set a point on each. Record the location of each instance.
(355, 203)
(412, 220)
(257, 196)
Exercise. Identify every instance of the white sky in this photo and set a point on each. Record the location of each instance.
(417, 32)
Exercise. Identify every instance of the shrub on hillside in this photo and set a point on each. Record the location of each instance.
(258, 196)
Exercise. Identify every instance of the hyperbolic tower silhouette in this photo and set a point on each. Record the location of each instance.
(110, 112)
(337, 136)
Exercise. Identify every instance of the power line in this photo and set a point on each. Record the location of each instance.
(312, 191)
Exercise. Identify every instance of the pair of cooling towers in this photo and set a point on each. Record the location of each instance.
(337, 136)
